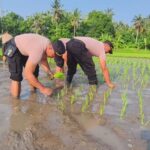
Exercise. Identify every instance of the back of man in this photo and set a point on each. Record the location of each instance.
(32, 45)
(95, 47)
(78, 50)
(27, 51)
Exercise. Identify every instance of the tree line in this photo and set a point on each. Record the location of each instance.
(58, 23)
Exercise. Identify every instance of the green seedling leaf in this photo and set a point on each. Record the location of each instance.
(59, 75)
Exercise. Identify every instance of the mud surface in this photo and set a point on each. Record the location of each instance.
(36, 122)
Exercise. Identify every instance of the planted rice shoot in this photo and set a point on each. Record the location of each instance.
(105, 101)
(85, 105)
(124, 105)
(141, 113)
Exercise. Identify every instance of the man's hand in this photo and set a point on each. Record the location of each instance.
(50, 75)
(46, 91)
(111, 85)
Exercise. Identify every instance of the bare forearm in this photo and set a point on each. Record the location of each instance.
(59, 69)
(106, 76)
(34, 81)
(45, 66)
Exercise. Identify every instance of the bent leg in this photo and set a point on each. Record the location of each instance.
(72, 66)
(83, 58)
(15, 69)
(15, 88)
(36, 72)
(88, 67)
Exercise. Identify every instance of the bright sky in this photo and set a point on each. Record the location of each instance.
(124, 10)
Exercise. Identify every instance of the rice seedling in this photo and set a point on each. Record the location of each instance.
(85, 105)
(61, 105)
(101, 110)
(60, 97)
(72, 99)
(124, 105)
(59, 75)
(141, 113)
(91, 93)
(105, 101)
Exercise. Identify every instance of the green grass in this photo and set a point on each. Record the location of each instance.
(135, 53)
(0, 52)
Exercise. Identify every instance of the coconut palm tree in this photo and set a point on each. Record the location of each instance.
(139, 26)
(57, 11)
(109, 12)
(75, 21)
(57, 15)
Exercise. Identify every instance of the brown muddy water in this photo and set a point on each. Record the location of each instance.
(36, 122)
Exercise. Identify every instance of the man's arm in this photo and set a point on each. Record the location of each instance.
(45, 65)
(105, 72)
(29, 70)
(46, 68)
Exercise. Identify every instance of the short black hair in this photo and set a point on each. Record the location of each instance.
(110, 44)
(59, 47)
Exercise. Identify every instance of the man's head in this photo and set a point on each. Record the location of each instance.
(6, 37)
(108, 47)
(55, 49)
(50, 51)
(59, 48)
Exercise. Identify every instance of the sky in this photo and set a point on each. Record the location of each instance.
(124, 10)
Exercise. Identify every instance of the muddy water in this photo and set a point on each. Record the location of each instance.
(36, 122)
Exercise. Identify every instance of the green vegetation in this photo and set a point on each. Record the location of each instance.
(124, 105)
(141, 108)
(57, 23)
(104, 102)
(134, 53)
(131, 42)
(0, 52)
(59, 75)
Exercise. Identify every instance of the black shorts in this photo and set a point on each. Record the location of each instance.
(16, 64)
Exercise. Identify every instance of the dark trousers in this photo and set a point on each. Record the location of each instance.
(77, 53)
(16, 65)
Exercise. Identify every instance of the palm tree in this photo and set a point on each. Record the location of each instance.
(57, 11)
(109, 12)
(147, 24)
(57, 15)
(139, 26)
(75, 21)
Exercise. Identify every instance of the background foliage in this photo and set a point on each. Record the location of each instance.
(57, 23)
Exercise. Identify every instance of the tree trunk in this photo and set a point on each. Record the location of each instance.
(74, 31)
(137, 35)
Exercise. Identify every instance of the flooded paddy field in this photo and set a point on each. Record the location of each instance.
(80, 118)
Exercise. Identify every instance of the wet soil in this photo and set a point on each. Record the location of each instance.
(36, 122)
